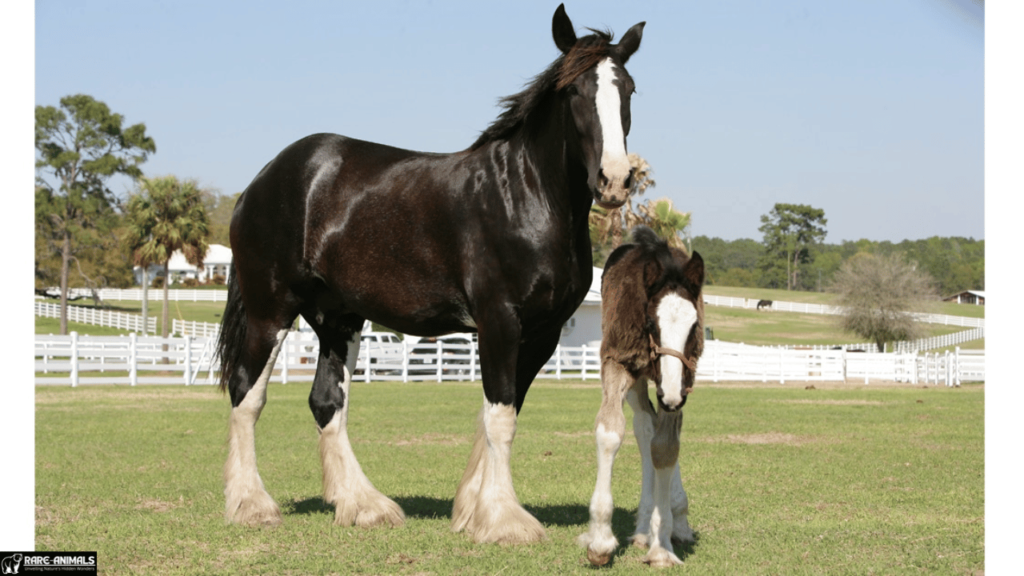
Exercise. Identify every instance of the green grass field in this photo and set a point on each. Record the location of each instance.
(839, 479)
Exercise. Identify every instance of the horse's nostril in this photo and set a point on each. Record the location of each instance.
(628, 184)
(602, 180)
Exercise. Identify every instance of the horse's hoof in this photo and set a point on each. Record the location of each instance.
(597, 559)
(661, 558)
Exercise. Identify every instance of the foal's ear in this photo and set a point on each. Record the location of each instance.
(694, 271)
(631, 41)
(562, 30)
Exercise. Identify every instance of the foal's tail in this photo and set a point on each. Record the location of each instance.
(231, 341)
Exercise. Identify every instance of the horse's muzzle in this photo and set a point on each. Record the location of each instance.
(613, 192)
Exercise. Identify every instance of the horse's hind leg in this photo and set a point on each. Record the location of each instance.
(345, 486)
(610, 430)
(247, 501)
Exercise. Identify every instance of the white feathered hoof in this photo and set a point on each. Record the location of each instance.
(599, 548)
(257, 509)
(661, 558)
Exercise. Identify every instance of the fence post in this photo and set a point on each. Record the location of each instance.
(366, 370)
(558, 361)
(133, 365)
(74, 358)
(284, 359)
(472, 358)
(405, 359)
(583, 363)
(188, 359)
(957, 360)
(439, 360)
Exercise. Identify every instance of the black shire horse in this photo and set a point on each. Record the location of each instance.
(492, 239)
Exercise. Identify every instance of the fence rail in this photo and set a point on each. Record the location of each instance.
(153, 294)
(95, 317)
(74, 360)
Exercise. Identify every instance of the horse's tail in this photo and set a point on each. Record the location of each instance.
(231, 341)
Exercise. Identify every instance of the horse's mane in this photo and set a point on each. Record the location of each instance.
(585, 54)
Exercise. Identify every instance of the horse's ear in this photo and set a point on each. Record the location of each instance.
(694, 271)
(631, 41)
(562, 30)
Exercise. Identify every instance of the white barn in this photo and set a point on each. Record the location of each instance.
(585, 325)
(217, 262)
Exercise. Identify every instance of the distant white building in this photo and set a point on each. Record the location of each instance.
(585, 325)
(967, 297)
(216, 263)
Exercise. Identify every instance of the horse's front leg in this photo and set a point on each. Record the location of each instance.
(610, 430)
(665, 464)
(486, 505)
(354, 497)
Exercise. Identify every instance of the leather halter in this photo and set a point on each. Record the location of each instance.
(659, 350)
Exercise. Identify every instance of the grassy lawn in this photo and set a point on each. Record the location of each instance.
(787, 328)
(949, 308)
(782, 480)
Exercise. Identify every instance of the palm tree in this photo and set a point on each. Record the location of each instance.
(166, 216)
(662, 217)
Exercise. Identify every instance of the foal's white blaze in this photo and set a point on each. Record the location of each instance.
(676, 317)
(609, 114)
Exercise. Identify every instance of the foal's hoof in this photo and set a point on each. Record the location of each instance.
(598, 559)
(661, 558)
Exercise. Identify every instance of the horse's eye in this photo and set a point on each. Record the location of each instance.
(572, 90)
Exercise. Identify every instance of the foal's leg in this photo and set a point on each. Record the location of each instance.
(665, 460)
(247, 501)
(643, 430)
(486, 505)
(355, 499)
(654, 432)
(610, 430)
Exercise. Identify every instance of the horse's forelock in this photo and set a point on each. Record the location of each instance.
(586, 54)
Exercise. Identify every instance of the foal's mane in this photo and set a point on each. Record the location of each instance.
(584, 55)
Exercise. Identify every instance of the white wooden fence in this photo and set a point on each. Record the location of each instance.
(75, 360)
(154, 294)
(157, 294)
(95, 317)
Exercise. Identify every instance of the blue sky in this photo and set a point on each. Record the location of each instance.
(871, 110)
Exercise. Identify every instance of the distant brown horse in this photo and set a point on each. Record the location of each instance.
(652, 318)
(764, 304)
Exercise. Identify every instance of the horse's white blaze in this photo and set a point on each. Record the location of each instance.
(609, 113)
(676, 317)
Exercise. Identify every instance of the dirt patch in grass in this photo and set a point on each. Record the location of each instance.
(765, 438)
(154, 505)
(431, 438)
(128, 393)
(833, 402)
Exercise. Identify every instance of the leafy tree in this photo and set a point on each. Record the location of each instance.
(880, 295)
(166, 216)
(220, 207)
(80, 145)
(789, 230)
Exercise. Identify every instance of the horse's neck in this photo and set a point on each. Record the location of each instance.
(551, 145)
